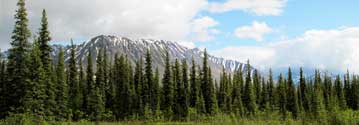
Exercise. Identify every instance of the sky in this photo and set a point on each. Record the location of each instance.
(321, 34)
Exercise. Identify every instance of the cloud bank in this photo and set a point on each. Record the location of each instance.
(334, 50)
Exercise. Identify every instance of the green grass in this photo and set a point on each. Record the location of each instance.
(347, 117)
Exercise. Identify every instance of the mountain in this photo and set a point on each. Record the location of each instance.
(135, 49)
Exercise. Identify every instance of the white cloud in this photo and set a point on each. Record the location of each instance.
(202, 29)
(82, 19)
(334, 50)
(256, 31)
(258, 7)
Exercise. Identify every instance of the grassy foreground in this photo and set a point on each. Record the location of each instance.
(347, 117)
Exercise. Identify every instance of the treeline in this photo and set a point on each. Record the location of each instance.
(32, 83)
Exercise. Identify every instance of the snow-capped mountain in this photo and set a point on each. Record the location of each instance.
(135, 49)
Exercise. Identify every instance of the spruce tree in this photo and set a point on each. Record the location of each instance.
(17, 68)
(83, 86)
(237, 104)
(354, 93)
(282, 97)
(257, 86)
(317, 101)
(74, 91)
(347, 89)
(45, 50)
(207, 87)
(340, 93)
(100, 78)
(292, 100)
(271, 91)
(62, 93)
(249, 95)
(168, 88)
(194, 91)
(264, 102)
(95, 104)
(44, 39)
(124, 91)
(303, 91)
(150, 91)
(138, 81)
(35, 91)
(2, 88)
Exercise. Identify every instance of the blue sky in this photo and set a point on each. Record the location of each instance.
(297, 17)
(320, 34)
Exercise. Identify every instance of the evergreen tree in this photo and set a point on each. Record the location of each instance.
(327, 92)
(207, 87)
(95, 105)
(124, 91)
(282, 98)
(237, 104)
(264, 102)
(303, 91)
(194, 93)
(249, 95)
(292, 100)
(340, 93)
(83, 86)
(271, 91)
(317, 101)
(45, 50)
(168, 88)
(44, 39)
(2, 88)
(150, 89)
(100, 78)
(138, 81)
(35, 90)
(73, 81)
(62, 93)
(347, 90)
(17, 68)
(257, 86)
(355, 93)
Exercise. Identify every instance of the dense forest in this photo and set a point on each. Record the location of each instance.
(34, 85)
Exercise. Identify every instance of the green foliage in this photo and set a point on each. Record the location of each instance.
(249, 95)
(17, 62)
(62, 93)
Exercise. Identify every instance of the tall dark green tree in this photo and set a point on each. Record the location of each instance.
(45, 50)
(318, 108)
(237, 104)
(340, 93)
(257, 86)
(282, 97)
(44, 39)
(35, 91)
(194, 88)
(292, 99)
(124, 91)
(303, 97)
(138, 82)
(271, 91)
(95, 104)
(249, 95)
(168, 88)
(73, 81)
(100, 78)
(347, 89)
(17, 68)
(62, 93)
(207, 87)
